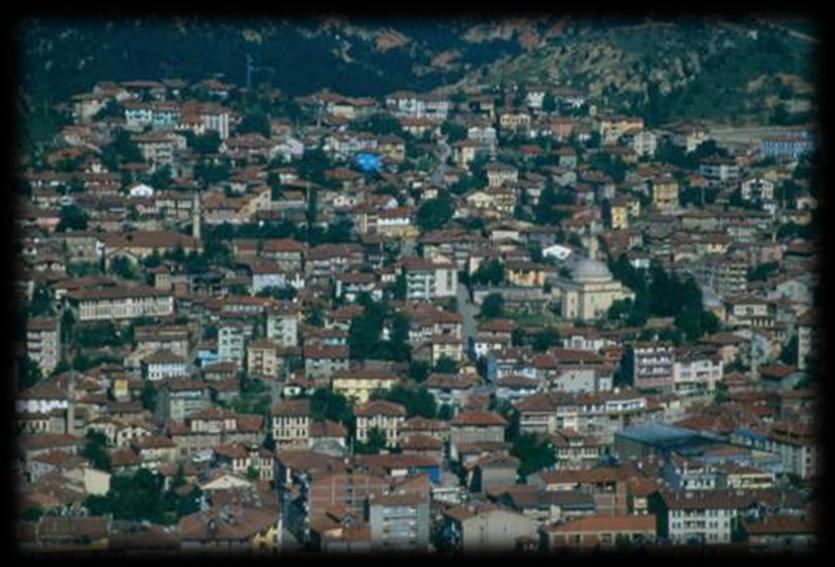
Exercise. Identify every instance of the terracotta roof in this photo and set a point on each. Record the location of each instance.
(479, 419)
(327, 428)
(299, 408)
(380, 407)
(599, 523)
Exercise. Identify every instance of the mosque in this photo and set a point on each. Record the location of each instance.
(590, 291)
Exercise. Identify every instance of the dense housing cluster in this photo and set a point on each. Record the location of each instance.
(500, 319)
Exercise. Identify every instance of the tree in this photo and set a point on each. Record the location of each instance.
(399, 338)
(418, 370)
(489, 273)
(161, 178)
(549, 103)
(762, 271)
(206, 144)
(544, 211)
(544, 340)
(255, 122)
(149, 397)
(534, 454)
(610, 165)
(788, 355)
(140, 497)
(123, 268)
(43, 302)
(435, 213)
(416, 401)
(95, 449)
(493, 306)
(339, 231)
(72, 217)
(30, 373)
(454, 132)
(619, 310)
(208, 172)
(32, 514)
(328, 405)
(365, 331)
(446, 365)
(120, 151)
(376, 442)
(99, 334)
(313, 165)
(381, 125)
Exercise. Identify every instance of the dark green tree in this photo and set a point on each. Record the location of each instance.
(435, 213)
(489, 273)
(493, 306)
(534, 453)
(446, 365)
(95, 449)
(72, 217)
(326, 404)
(545, 339)
(255, 122)
(376, 442)
(419, 370)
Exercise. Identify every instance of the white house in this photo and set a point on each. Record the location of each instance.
(164, 364)
(140, 190)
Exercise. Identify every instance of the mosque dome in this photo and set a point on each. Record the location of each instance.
(590, 270)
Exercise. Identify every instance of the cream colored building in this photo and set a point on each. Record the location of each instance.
(291, 424)
(121, 303)
(357, 385)
(382, 415)
(591, 291)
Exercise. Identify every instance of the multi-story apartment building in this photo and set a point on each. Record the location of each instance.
(601, 414)
(601, 531)
(230, 342)
(718, 170)
(399, 522)
(650, 364)
(43, 342)
(806, 339)
(291, 424)
(792, 146)
(710, 516)
(428, 279)
(261, 358)
(696, 372)
(644, 143)
(357, 384)
(322, 361)
(664, 193)
(178, 399)
(794, 443)
(749, 311)
(164, 364)
(119, 302)
(384, 416)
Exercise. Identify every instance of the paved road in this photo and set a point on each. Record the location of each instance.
(468, 313)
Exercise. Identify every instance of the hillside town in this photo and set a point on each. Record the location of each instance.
(497, 320)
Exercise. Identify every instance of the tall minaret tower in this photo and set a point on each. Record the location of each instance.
(195, 215)
(71, 402)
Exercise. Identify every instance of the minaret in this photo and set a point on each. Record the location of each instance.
(71, 402)
(195, 215)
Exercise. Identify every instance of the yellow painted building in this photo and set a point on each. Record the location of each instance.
(620, 216)
(526, 274)
(357, 385)
(665, 194)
